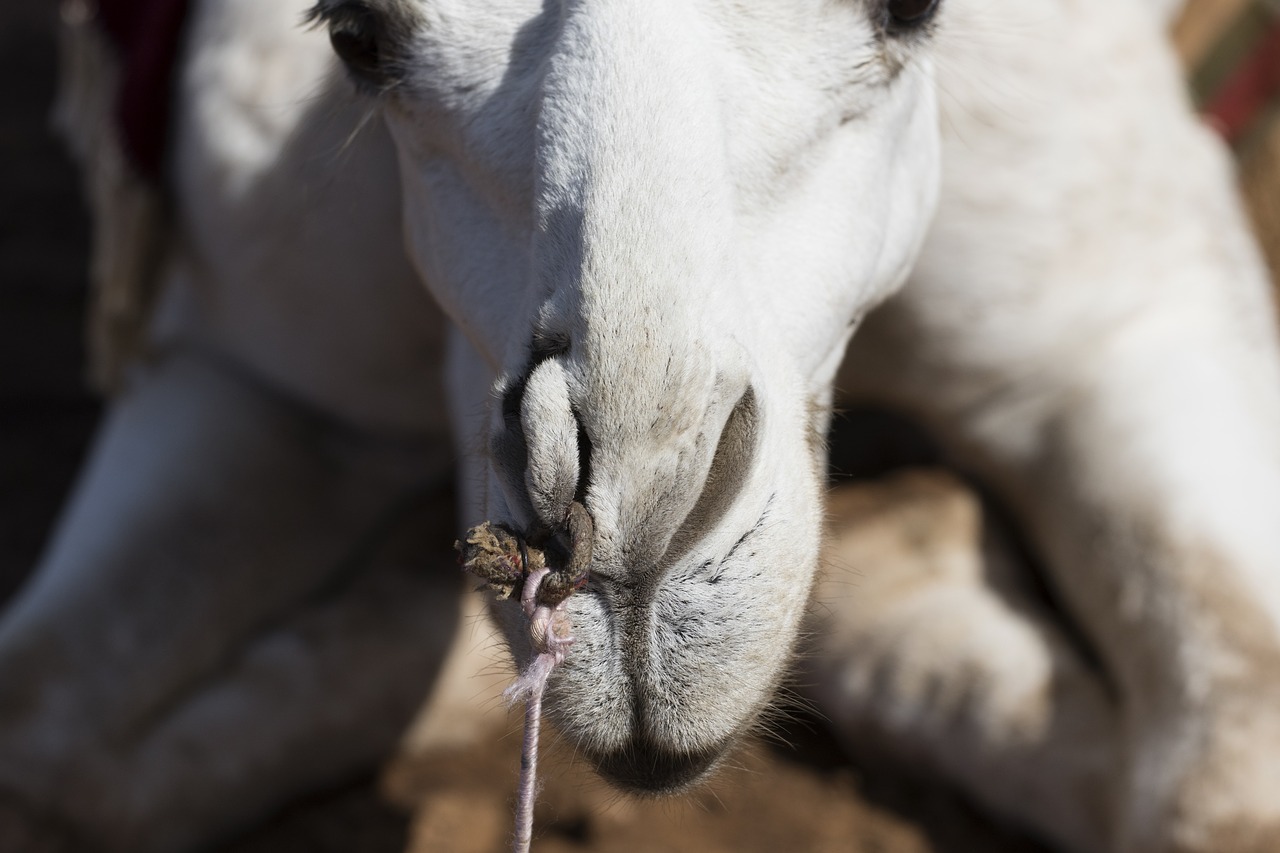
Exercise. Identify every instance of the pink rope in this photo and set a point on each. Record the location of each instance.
(550, 637)
(506, 562)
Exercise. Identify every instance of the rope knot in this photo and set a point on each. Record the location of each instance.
(511, 564)
(550, 635)
(506, 560)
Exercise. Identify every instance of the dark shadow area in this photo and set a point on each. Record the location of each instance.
(46, 413)
(350, 819)
(867, 442)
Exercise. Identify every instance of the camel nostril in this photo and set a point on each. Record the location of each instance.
(734, 454)
(549, 344)
(584, 460)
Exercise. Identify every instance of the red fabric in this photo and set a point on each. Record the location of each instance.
(1249, 89)
(148, 35)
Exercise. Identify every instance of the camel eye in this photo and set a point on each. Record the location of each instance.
(355, 40)
(911, 12)
(357, 35)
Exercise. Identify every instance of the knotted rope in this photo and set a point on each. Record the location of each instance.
(511, 564)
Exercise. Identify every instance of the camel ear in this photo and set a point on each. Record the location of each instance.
(366, 36)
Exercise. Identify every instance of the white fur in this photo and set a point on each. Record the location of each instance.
(1095, 336)
(666, 188)
(688, 200)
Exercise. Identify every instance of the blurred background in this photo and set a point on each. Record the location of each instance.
(806, 796)
(1231, 49)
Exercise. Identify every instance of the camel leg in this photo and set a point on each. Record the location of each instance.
(1152, 523)
(218, 624)
(1146, 479)
(929, 648)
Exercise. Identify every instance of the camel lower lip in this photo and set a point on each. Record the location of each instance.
(646, 768)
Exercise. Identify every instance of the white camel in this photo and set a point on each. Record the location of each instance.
(654, 227)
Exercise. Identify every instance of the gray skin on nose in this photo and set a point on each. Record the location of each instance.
(542, 476)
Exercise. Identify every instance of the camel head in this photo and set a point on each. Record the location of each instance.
(659, 222)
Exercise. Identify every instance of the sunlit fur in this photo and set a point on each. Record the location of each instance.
(695, 202)
(656, 224)
(1091, 329)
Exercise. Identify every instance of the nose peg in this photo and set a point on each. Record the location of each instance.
(575, 564)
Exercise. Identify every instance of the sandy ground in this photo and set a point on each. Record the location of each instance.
(797, 792)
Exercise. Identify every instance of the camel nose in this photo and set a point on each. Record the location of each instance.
(543, 452)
